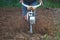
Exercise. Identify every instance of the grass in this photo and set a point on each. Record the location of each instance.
(17, 4)
(51, 5)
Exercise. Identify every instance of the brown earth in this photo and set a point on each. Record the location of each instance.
(13, 26)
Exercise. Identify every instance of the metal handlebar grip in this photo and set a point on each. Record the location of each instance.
(32, 6)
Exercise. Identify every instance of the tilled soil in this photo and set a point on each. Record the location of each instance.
(14, 27)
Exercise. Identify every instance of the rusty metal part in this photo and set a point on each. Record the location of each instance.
(31, 8)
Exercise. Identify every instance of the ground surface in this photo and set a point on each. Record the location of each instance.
(14, 27)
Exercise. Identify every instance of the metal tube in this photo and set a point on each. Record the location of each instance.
(31, 29)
